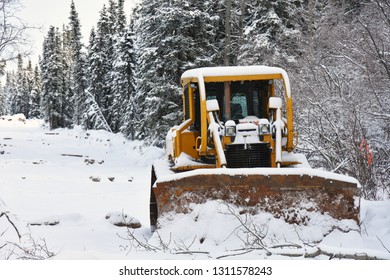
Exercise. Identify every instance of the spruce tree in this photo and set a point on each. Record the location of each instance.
(67, 65)
(35, 95)
(20, 88)
(111, 66)
(94, 78)
(121, 17)
(17, 98)
(125, 82)
(100, 58)
(121, 74)
(10, 91)
(271, 32)
(172, 36)
(3, 109)
(28, 87)
(78, 81)
(53, 76)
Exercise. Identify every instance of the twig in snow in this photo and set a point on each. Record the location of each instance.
(332, 255)
(36, 251)
(12, 224)
(383, 245)
(192, 252)
(233, 255)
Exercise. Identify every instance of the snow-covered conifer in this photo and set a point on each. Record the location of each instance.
(35, 95)
(271, 33)
(3, 108)
(53, 76)
(78, 81)
(172, 36)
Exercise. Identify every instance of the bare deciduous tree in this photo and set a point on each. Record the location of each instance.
(342, 92)
(13, 32)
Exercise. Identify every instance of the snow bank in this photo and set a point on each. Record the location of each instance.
(123, 220)
(19, 120)
(376, 224)
(216, 228)
(219, 230)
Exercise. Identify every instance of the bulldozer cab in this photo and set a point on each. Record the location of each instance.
(240, 95)
(240, 99)
(237, 100)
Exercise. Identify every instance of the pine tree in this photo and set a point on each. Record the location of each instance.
(16, 98)
(20, 89)
(172, 37)
(108, 36)
(111, 66)
(3, 109)
(123, 84)
(28, 87)
(53, 76)
(67, 66)
(78, 81)
(35, 96)
(271, 32)
(101, 61)
(157, 94)
(94, 82)
(121, 75)
(121, 17)
(130, 116)
(10, 91)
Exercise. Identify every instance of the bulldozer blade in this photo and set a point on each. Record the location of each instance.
(282, 192)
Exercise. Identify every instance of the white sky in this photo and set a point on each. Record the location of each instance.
(44, 13)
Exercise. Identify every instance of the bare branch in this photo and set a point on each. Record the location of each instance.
(13, 31)
(235, 254)
(383, 245)
(12, 224)
(36, 251)
(28, 249)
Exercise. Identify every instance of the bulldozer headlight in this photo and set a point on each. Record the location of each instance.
(264, 129)
(230, 128)
(230, 131)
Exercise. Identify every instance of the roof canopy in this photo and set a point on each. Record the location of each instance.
(237, 73)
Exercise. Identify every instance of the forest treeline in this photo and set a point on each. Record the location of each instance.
(126, 79)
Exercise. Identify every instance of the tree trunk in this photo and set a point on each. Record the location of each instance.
(227, 32)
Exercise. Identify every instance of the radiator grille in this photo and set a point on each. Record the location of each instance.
(255, 155)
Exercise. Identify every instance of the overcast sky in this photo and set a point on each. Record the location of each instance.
(44, 13)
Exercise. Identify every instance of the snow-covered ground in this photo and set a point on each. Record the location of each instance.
(66, 190)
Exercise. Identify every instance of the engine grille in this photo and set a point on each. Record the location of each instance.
(255, 155)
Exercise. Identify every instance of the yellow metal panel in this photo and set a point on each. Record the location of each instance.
(290, 126)
(273, 156)
(188, 139)
(178, 144)
(203, 117)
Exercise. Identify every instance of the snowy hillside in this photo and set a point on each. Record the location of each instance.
(69, 193)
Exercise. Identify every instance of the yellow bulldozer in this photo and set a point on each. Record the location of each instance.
(236, 144)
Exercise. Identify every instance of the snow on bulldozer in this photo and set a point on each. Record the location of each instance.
(236, 144)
